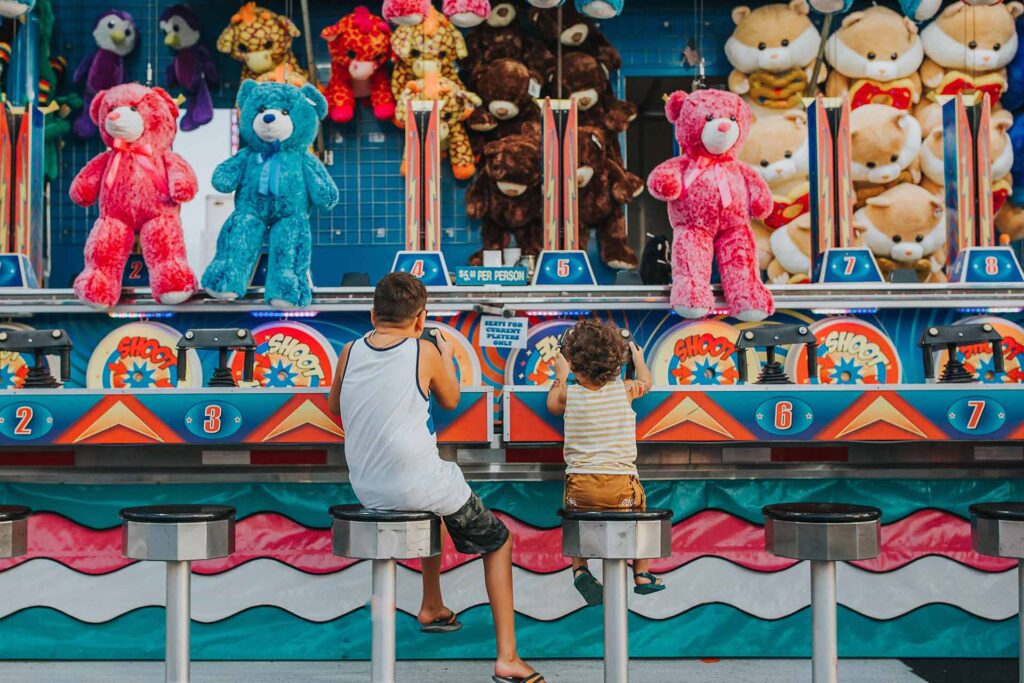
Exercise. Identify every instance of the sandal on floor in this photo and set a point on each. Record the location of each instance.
(532, 678)
(648, 588)
(443, 625)
(589, 587)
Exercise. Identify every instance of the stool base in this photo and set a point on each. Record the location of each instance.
(382, 614)
(616, 621)
(179, 621)
(824, 633)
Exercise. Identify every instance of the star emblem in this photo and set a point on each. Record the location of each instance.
(280, 375)
(808, 416)
(139, 377)
(952, 416)
(188, 420)
(760, 416)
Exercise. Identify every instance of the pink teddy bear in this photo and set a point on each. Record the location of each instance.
(712, 197)
(140, 185)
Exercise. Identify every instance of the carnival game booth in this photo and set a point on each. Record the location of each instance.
(881, 366)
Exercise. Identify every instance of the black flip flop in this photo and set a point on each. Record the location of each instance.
(589, 587)
(532, 678)
(447, 624)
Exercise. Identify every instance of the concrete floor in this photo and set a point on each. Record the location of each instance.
(562, 671)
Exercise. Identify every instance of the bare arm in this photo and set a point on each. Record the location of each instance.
(437, 371)
(642, 384)
(334, 399)
(559, 391)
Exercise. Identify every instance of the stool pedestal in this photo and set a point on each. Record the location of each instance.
(997, 529)
(177, 535)
(383, 537)
(614, 538)
(824, 534)
(13, 530)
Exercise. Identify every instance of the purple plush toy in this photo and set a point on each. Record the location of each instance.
(193, 69)
(115, 35)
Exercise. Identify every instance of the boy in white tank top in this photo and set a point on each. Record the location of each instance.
(600, 434)
(382, 391)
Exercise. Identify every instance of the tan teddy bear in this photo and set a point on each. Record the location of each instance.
(875, 56)
(932, 157)
(772, 52)
(906, 230)
(885, 142)
(777, 150)
(967, 48)
(791, 251)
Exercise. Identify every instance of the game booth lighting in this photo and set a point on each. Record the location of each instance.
(804, 213)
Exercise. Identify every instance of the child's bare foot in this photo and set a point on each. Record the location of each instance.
(515, 669)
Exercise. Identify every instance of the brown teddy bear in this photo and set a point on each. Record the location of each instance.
(604, 187)
(885, 142)
(906, 230)
(772, 51)
(584, 81)
(874, 57)
(505, 194)
(507, 89)
(502, 36)
(578, 33)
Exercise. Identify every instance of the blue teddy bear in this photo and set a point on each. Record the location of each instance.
(275, 180)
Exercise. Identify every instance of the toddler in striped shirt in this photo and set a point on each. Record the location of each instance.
(600, 434)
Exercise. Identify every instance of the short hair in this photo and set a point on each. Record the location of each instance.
(399, 298)
(596, 350)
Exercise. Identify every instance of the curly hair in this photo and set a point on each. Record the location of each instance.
(596, 350)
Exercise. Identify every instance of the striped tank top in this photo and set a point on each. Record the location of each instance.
(600, 430)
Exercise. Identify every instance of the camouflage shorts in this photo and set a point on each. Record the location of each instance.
(474, 529)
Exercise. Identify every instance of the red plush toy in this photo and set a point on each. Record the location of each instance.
(712, 196)
(360, 46)
(140, 184)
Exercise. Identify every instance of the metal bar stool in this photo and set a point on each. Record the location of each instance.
(383, 537)
(178, 535)
(997, 529)
(13, 530)
(615, 537)
(824, 533)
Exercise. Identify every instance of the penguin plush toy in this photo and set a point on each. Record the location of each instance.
(193, 69)
(115, 34)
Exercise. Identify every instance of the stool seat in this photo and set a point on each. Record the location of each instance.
(997, 529)
(822, 531)
(617, 534)
(178, 533)
(367, 534)
(13, 530)
(177, 514)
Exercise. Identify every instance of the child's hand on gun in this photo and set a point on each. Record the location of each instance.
(562, 368)
(443, 345)
(637, 353)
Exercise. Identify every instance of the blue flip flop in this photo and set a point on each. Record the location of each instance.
(648, 588)
(589, 587)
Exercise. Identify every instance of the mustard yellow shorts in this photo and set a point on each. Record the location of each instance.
(604, 492)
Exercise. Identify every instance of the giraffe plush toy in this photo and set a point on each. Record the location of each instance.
(432, 45)
(360, 46)
(262, 41)
(457, 104)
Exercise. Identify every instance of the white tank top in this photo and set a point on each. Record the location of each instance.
(390, 444)
(600, 430)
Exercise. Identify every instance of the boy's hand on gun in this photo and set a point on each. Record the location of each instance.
(562, 368)
(443, 345)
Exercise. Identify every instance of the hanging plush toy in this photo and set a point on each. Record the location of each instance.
(193, 69)
(139, 184)
(360, 47)
(831, 6)
(276, 181)
(600, 9)
(12, 9)
(874, 57)
(885, 143)
(604, 188)
(262, 41)
(58, 123)
(906, 230)
(712, 197)
(457, 104)
(920, 10)
(433, 45)
(462, 13)
(115, 35)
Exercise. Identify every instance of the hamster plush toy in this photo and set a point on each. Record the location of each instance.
(932, 158)
(712, 196)
(969, 48)
(875, 57)
(505, 195)
(604, 187)
(885, 142)
(192, 69)
(772, 51)
(777, 150)
(791, 251)
(360, 47)
(906, 230)
(115, 35)
(139, 184)
(262, 41)
(276, 181)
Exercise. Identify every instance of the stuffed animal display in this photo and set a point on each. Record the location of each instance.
(139, 184)
(712, 197)
(604, 188)
(115, 35)
(192, 69)
(276, 181)
(360, 46)
(906, 230)
(431, 45)
(885, 143)
(457, 104)
(506, 89)
(262, 41)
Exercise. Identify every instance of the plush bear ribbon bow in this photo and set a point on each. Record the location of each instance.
(270, 172)
(144, 157)
(704, 163)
